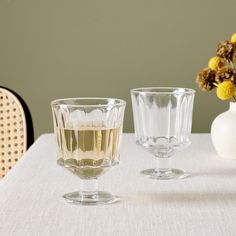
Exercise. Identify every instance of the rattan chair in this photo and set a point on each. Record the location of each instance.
(15, 136)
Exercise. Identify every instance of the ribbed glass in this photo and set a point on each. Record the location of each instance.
(88, 134)
(162, 118)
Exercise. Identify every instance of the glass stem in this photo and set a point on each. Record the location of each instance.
(89, 187)
(163, 164)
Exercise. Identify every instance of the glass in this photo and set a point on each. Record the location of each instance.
(162, 122)
(88, 134)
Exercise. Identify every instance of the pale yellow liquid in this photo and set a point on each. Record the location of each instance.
(88, 152)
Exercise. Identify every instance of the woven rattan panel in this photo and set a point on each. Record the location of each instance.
(12, 131)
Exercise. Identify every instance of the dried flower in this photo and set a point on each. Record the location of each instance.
(225, 73)
(221, 71)
(206, 79)
(214, 63)
(234, 56)
(233, 38)
(225, 50)
(225, 90)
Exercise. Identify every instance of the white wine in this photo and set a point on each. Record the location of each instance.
(88, 152)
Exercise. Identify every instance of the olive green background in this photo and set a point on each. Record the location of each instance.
(72, 48)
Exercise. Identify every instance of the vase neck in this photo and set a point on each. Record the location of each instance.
(232, 106)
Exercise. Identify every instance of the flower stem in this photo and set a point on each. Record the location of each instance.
(234, 98)
(231, 64)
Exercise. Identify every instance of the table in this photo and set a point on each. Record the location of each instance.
(204, 204)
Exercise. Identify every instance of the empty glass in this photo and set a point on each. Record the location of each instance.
(88, 133)
(162, 122)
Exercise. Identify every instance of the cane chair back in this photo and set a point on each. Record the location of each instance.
(13, 131)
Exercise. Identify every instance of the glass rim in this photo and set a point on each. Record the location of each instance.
(172, 90)
(116, 102)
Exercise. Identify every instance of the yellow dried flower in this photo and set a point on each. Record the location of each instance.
(233, 38)
(225, 90)
(214, 63)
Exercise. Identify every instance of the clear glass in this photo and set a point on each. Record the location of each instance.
(162, 122)
(88, 134)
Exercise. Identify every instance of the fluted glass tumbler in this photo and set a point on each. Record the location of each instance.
(162, 122)
(88, 134)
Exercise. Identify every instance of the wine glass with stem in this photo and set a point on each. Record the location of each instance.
(88, 134)
(162, 121)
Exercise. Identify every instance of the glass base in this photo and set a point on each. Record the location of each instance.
(165, 174)
(86, 198)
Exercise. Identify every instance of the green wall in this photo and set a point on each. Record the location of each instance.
(71, 48)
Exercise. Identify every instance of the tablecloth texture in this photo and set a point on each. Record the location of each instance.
(204, 204)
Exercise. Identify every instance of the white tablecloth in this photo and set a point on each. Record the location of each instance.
(205, 204)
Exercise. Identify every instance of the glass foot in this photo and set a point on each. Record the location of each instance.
(165, 174)
(86, 198)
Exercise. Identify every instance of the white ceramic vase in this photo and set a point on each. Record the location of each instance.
(223, 131)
